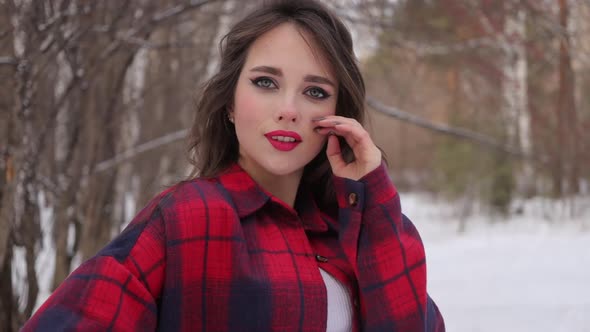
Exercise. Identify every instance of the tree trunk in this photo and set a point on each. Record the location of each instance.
(566, 169)
(515, 91)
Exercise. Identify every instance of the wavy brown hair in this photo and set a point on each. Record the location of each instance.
(213, 141)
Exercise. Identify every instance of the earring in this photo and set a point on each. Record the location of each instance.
(231, 118)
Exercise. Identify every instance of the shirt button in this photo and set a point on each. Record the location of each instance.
(353, 199)
(321, 259)
(355, 303)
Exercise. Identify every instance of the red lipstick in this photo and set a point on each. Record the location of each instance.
(283, 140)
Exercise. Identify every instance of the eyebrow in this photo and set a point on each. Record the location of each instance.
(307, 78)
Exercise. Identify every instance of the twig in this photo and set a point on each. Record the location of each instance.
(8, 60)
(147, 146)
(153, 21)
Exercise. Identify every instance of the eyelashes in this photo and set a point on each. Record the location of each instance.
(268, 83)
(317, 93)
(264, 82)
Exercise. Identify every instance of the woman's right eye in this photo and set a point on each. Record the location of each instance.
(264, 82)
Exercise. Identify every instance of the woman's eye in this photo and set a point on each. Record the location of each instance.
(317, 93)
(264, 82)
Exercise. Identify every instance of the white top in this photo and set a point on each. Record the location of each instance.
(339, 305)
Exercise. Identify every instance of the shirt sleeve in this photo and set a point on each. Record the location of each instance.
(116, 290)
(387, 255)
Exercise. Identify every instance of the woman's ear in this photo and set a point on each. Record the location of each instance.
(230, 113)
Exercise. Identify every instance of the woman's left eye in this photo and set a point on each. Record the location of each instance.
(317, 93)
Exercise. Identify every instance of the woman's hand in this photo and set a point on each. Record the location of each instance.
(367, 155)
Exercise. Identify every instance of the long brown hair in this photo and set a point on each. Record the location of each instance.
(213, 141)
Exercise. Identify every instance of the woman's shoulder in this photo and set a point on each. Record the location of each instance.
(177, 213)
(192, 195)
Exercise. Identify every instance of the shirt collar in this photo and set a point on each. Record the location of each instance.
(244, 192)
(248, 197)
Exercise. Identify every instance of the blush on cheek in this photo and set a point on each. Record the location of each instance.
(246, 107)
(319, 112)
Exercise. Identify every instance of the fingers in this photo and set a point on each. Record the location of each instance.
(353, 132)
(336, 125)
(367, 155)
(334, 154)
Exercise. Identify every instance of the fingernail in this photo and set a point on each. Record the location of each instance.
(319, 118)
(331, 132)
(336, 123)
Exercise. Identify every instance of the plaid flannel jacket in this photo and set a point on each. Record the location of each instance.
(224, 255)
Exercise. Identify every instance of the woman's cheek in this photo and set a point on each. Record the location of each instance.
(247, 107)
(324, 110)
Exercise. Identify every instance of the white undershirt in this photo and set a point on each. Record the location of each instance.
(339, 305)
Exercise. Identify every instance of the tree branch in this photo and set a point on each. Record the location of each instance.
(156, 19)
(133, 152)
(8, 60)
(143, 43)
(462, 133)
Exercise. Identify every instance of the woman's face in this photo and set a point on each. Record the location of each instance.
(283, 85)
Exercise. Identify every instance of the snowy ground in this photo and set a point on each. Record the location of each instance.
(531, 273)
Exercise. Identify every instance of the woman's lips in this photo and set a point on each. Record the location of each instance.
(283, 140)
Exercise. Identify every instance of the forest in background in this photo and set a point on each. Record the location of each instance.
(479, 101)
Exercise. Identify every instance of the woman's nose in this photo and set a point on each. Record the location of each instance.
(287, 111)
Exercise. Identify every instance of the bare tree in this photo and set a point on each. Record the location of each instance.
(64, 112)
(506, 70)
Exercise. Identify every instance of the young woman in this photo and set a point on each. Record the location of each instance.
(291, 222)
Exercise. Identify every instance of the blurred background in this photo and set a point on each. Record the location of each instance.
(482, 108)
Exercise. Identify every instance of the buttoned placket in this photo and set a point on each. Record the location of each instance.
(298, 242)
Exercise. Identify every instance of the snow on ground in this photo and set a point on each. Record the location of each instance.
(529, 273)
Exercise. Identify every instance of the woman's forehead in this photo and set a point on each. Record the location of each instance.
(290, 48)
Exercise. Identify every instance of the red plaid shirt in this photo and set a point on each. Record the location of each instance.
(224, 255)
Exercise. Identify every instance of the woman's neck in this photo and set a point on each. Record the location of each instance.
(283, 187)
